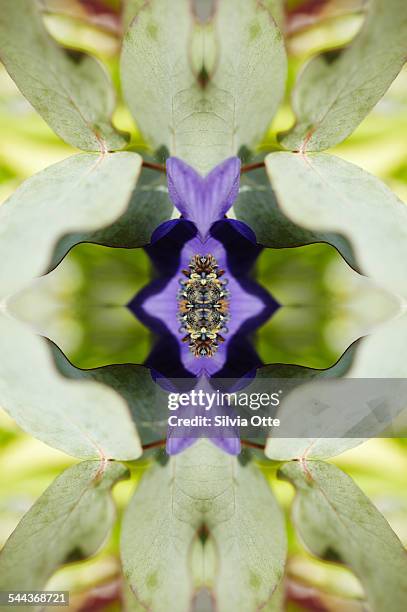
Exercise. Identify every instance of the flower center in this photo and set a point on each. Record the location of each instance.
(203, 308)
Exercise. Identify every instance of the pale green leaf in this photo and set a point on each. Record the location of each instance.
(277, 600)
(70, 90)
(242, 560)
(130, 10)
(130, 602)
(380, 356)
(155, 545)
(338, 88)
(69, 522)
(383, 354)
(252, 65)
(286, 448)
(277, 9)
(257, 206)
(147, 207)
(281, 448)
(323, 193)
(251, 545)
(83, 193)
(200, 81)
(154, 67)
(135, 384)
(337, 522)
(82, 418)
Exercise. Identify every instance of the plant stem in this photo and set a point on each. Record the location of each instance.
(156, 444)
(153, 166)
(250, 167)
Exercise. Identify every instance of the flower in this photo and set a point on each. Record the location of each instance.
(203, 305)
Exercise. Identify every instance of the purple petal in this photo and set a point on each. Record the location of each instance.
(243, 229)
(163, 229)
(221, 190)
(203, 200)
(166, 244)
(243, 306)
(185, 187)
(163, 305)
(203, 365)
(181, 437)
(174, 446)
(240, 246)
(196, 246)
(231, 446)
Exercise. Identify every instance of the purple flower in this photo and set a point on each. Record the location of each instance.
(227, 438)
(203, 305)
(203, 200)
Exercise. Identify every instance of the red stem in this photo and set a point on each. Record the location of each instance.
(157, 444)
(152, 166)
(252, 445)
(250, 167)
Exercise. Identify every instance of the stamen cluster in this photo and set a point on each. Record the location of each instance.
(203, 308)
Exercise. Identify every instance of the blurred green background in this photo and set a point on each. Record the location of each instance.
(80, 305)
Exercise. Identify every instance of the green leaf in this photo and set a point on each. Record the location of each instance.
(241, 546)
(383, 354)
(251, 545)
(337, 522)
(135, 385)
(257, 206)
(199, 90)
(148, 206)
(338, 88)
(69, 522)
(82, 418)
(285, 449)
(69, 89)
(155, 545)
(277, 600)
(380, 356)
(85, 192)
(130, 10)
(154, 67)
(252, 65)
(277, 9)
(323, 193)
